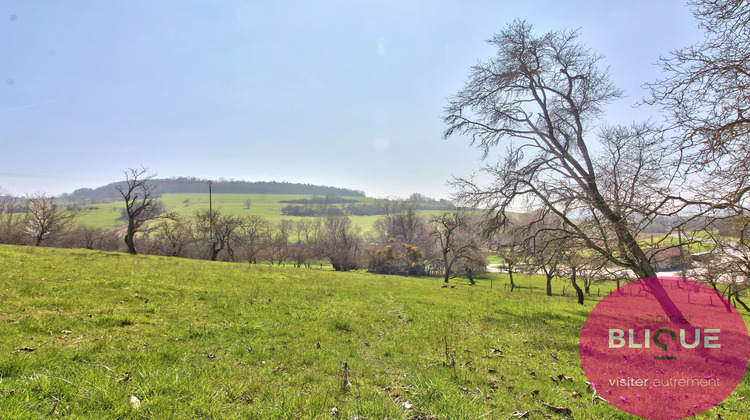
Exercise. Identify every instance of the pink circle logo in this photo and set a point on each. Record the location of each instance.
(664, 348)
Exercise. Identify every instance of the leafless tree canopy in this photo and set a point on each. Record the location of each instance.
(459, 242)
(545, 95)
(339, 241)
(44, 217)
(705, 96)
(705, 89)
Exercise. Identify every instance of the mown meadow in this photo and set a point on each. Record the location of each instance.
(85, 333)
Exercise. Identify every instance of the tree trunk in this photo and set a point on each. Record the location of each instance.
(215, 251)
(447, 266)
(579, 292)
(549, 283)
(130, 239)
(737, 299)
(510, 274)
(642, 268)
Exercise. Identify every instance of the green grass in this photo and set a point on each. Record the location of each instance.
(105, 215)
(196, 339)
(696, 246)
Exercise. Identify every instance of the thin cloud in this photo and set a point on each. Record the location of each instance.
(16, 108)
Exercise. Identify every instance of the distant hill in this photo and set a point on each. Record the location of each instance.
(195, 185)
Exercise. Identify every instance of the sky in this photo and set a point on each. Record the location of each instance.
(341, 93)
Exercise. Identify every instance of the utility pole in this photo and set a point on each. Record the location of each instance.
(210, 218)
(683, 261)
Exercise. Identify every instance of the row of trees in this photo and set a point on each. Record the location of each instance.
(41, 220)
(402, 242)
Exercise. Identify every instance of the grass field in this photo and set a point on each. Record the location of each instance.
(105, 215)
(85, 331)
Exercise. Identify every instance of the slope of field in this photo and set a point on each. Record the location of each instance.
(85, 331)
(106, 215)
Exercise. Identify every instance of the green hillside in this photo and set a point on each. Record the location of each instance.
(85, 331)
(106, 215)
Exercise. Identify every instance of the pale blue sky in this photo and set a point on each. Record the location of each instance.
(341, 93)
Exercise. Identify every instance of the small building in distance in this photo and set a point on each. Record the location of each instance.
(666, 259)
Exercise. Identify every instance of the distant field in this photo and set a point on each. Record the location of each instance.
(267, 205)
(696, 246)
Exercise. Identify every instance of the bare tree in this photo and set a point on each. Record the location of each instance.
(578, 264)
(543, 240)
(728, 263)
(545, 256)
(88, 237)
(279, 245)
(221, 232)
(303, 228)
(339, 242)
(512, 258)
(173, 234)
(704, 94)
(705, 89)
(44, 217)
(140, 203)
(593, 270)
(573, 265)
(545, 94)
(404, 224)
(11, 215)
(299, 253)
(255, 237)
(474, 261)
(457, 237)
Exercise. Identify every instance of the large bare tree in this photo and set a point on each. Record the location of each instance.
(545, 94)
(542, 97)
(141, 203)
